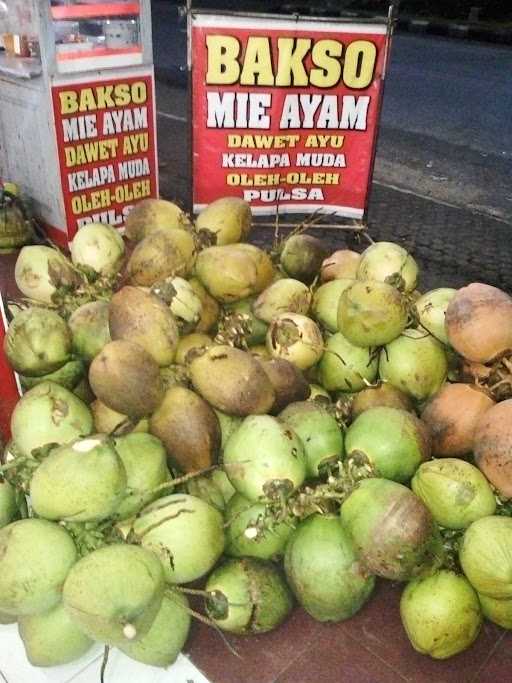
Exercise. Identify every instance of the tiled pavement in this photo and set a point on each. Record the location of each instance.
(369, 648)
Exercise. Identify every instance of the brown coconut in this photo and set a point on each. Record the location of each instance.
(479, 322)
(210, 308)
(162, 254)
(383, 394)
(108, 421)
(192, 345)
(342, 264)
(452, 415)
(150, 215)
(232, 381)
(143, 318)
(493, 446)
(234, 271)
(288, 382)
(126, 378)
(188, 428)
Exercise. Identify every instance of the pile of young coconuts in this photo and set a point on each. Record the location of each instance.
(272, 427)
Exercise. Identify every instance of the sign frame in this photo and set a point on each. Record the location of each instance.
(91, 81)
(338, 220)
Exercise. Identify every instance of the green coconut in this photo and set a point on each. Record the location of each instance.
(84, 481)
(393, 531)
(89, 329)
(281, 296)
(35, 558)
(431, 310)
(296, 338)
(185, 532)
(98, 246)
(248, 596)
(264, 456)
(394, 441)
(441, 614)
(52, 638)
(162, 644)
(324, 307)
(38, 341)
(486, 556)
(496, 610)
(324, 571)
(415, 363)
(319, 432)
(68, 376)
(371, 313)
(183, 301)
(145, 462)
(227, 220)
(40, 270)
(455, 492)
(346, 367)
(302, 257)
(46, 414)
(389, 262)
(113, 594)
(214, 488)
(244, 538)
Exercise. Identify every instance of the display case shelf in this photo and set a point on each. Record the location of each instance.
(101, 10)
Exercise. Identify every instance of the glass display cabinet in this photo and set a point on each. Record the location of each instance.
(67, 68)
(96, 34)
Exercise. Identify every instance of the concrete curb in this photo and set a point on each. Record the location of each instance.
(455, 30)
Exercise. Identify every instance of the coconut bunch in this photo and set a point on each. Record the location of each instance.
(251, 420)
(16, 227)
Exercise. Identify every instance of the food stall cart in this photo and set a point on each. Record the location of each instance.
(77, 115)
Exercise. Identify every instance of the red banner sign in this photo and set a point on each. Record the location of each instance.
(285, 113)
(107, 147)
(9, 390)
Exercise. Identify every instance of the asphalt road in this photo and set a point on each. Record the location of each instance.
(446, 129)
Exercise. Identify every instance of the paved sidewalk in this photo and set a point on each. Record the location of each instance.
(456, 29)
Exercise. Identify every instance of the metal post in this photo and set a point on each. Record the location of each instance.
(392, 18)
(190, 141)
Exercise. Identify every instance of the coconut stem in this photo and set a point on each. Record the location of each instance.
(193, 591)
(104, 663)
(183, 480)
(13, 464)
(204, 620)
(321, 498)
